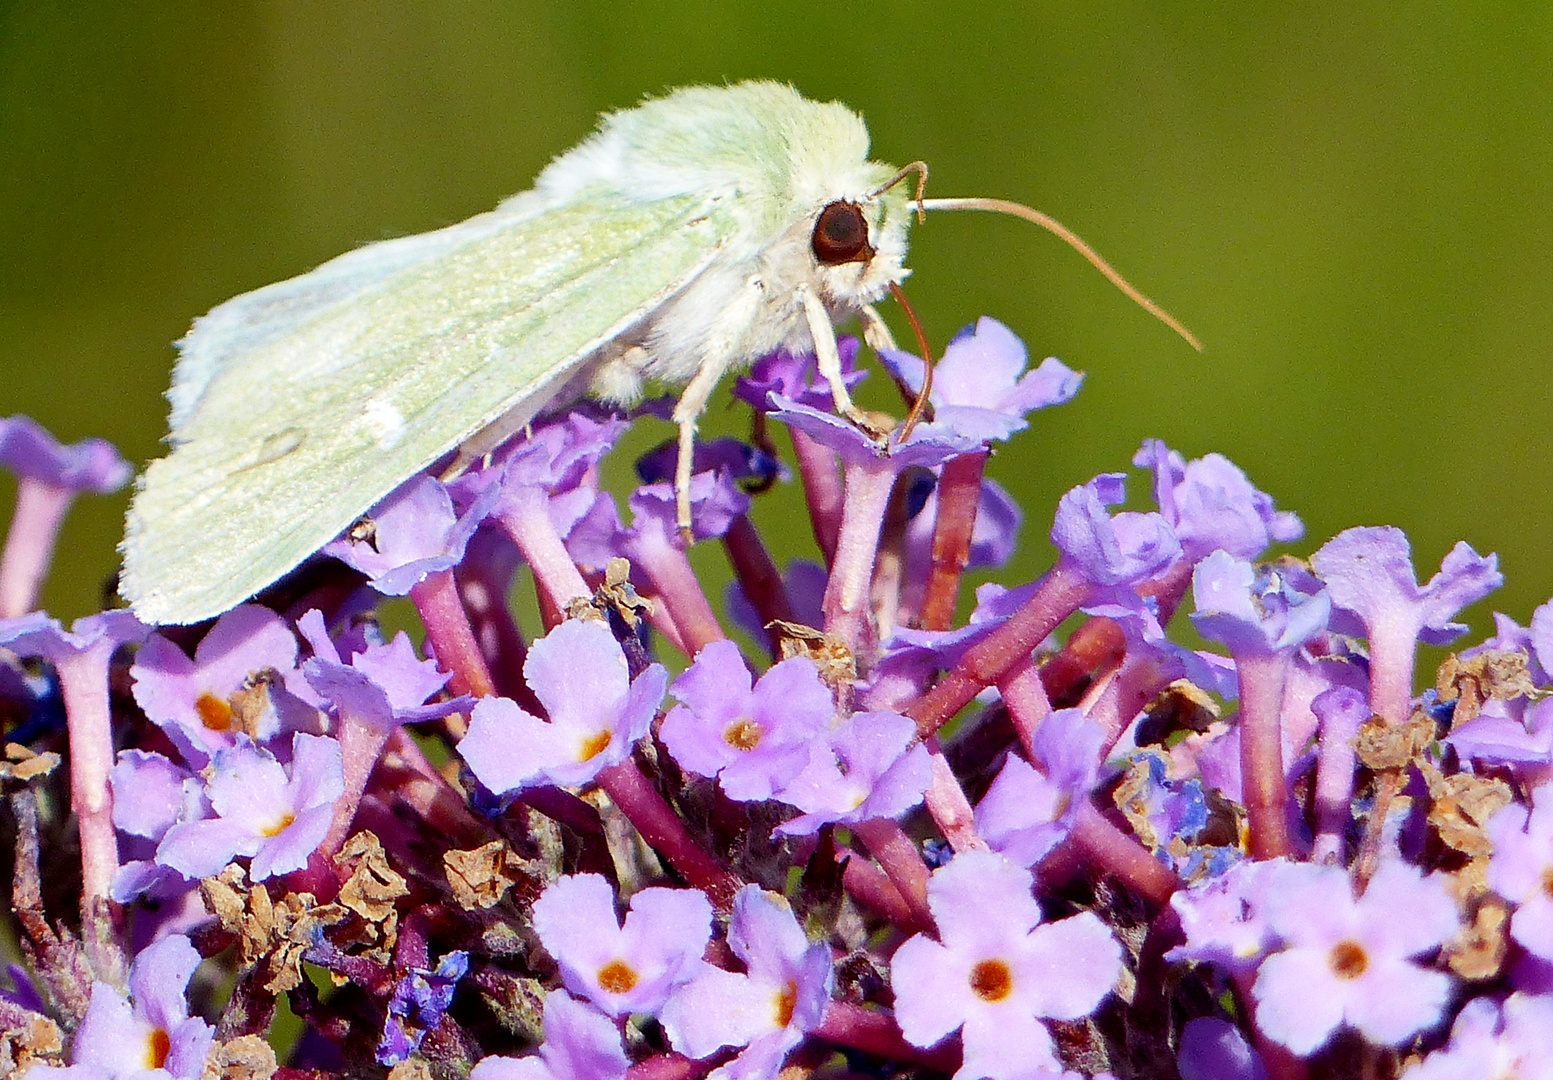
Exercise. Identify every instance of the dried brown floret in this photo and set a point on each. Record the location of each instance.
(1493, 674)
(481, 877)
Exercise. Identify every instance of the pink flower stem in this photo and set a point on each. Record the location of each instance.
(1107, 847)
(946, 802)
(853, 1026)
(1334, 788)
(1391, 671)
(83, 681)
(1264, 788)
(868, 885)
(757, 573)
(666, 834)
(452, 638)
(1132, 687)
(526, 518)
(669, 1066)
(847, 595)
(484, 583)
(361, 744)
(959, 496)
(821, 491)
(1059, 595)
(29, 545)
(898, 857)
(1024, 695)
(667, 567)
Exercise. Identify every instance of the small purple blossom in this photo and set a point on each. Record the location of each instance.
(420, 999)
(381, 685)
(753, 737)
(1224, 918)
(192, 699)
(622, 969)
(278, 816)
(868, 767)
(797, 377)
(597, 713)
(29, 451)
(768, 1009)
(1349, 961)
(580, 1044)
(1275, 609)
(1214, 1049)
(928, 445)
(147, 1036)
(1111, 549)
(1522, 866)
(1028, 810)
(1212, 506)
(981, 386)
(990, 972)
(414, 531)
(1511, 1041)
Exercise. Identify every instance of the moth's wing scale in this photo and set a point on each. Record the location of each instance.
(312, 399)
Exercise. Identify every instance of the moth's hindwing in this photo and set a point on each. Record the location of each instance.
(310, 402)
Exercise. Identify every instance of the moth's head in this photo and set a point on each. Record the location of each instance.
(858, 242)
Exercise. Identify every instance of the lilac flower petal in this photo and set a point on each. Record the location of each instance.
(158, 978)
(714, 1009)
(578, 671)
(149, 793)
(961, 894)
(1004, 1045)
(1127, 547)
(580, 1044)
(1212, 506)
(1072, 965)
(1295, 1003)
(508, 748)
(28, 450)
(1214, 1049)
(930, 444)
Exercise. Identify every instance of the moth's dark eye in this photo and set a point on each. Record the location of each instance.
(841, 235)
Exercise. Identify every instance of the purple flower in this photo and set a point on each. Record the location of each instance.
(380, 686)
(715, 501)
(797, 377)
(597, 713)
(869, 767)
(148, 1036)
(151, 794)
(980, 387)
(414, 531)
(1214, 1049)
(1512, 1041)
(929, 445)
(767, 1010)
(1522, 866)
(1369, 573)
(754, 739)
(193, 699)
(622, 969)
(996, 971)
(420, 999)
(1212, 506)
(579, 1044)
(1111, 549)
(1027, 811)
(1347, 961)
(1224, 918)
(1276, 609)
(29, 451)
(262, 810)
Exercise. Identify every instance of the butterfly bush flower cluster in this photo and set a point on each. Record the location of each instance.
(1175, 808)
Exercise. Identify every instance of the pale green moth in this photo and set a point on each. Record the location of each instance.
(687, 236)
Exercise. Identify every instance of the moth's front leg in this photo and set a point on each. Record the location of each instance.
(692, 403)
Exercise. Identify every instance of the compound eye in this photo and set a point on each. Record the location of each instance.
(841, 235)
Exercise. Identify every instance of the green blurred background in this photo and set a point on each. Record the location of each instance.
(1351, 207)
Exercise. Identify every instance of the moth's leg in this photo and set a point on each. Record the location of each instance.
(692, 403)
(875, 332)
(829, 357)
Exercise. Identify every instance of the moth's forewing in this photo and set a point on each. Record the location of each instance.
(308, 406)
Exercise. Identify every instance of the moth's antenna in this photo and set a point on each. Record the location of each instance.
(918, 167)
(1062, 232)
(919, 406)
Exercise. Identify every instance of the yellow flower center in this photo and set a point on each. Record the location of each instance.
(991, 980)
(215, 713)
(743, 734)
(1348, 959)
(592, 748)
(617, 977)
(280, 825)
(158, 1045)
(786, 1002)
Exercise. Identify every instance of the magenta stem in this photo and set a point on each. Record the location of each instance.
(1024, 695)
(484, 584)
(1129, 690)
(1335, 763)
(361, 744)
(667, 567)
(901, 862)
(29, 545)
(848, 593)
(1264, 788)
(959, 498)
(868, 885)
(1110, 849)
(452, 638)
(667, 1067)
(526, 518)
(947, 804)
(821, 491)
(657, 823)
(758, 574)
(1059, 595)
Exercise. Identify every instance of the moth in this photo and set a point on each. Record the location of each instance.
(683, 239)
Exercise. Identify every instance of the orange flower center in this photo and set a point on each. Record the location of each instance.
(158, 1046)
(617, 977)
(991, 980)
(592, 748)
(786, 1002)
(215, 713)
(743, 734)
(281, 825)
(1348, 959)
